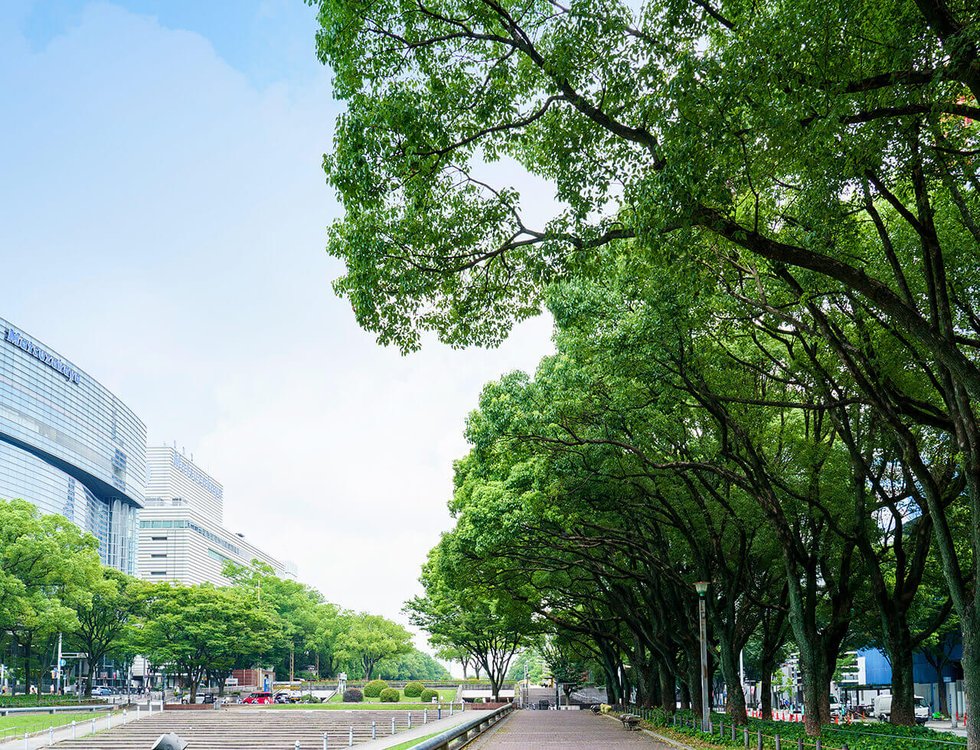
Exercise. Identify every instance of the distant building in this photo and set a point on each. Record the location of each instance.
(69, 445)
(181, 533)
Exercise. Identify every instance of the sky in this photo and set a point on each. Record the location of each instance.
(163, 214)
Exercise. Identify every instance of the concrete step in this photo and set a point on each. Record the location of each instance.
(251, 730)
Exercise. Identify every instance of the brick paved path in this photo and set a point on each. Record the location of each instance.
(567, 730)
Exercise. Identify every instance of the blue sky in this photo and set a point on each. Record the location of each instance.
(162, 223)
(267, 40)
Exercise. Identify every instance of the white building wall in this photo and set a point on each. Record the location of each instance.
(181, 536)
(173, 476)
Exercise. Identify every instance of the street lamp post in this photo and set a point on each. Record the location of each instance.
(702, 589)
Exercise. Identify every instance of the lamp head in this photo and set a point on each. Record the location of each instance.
(702, 588)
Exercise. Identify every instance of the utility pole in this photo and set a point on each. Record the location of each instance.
(702, 589)
(60, 662)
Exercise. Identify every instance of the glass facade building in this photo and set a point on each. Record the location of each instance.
(70, 446)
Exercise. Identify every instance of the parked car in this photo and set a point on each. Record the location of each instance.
(882, 710)
(259, 699)
(199, 698)
(103, 691)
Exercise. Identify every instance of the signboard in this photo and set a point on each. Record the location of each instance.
(37, 352)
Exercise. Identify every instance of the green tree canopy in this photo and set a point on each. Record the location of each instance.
(203, 631)
(368, 639)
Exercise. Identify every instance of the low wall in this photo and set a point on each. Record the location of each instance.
(485, 706)
(189, 706)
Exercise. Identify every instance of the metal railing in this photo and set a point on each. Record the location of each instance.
(466, 731)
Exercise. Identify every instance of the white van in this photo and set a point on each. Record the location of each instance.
(883, 708)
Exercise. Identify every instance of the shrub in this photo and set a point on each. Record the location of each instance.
(427, 695)
(390, 695)
(413, 689)
(353, 695)
(374, 687)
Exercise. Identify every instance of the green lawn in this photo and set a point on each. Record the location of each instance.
(412, 743)
(445, 695)
(20, 723)
(375, 706)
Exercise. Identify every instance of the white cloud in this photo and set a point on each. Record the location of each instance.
(164, 221)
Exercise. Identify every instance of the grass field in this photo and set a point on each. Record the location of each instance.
(13, 726)
(367, 705)
(412, 743)
(445, 695)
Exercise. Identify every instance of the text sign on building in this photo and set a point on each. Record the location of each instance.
(37, 352)
(198, 476)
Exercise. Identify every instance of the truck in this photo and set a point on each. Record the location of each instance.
(882, 710)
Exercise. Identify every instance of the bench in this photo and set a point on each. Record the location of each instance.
(630, 721)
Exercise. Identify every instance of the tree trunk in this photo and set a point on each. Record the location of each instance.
(694, 685)
(668, 689)
(813, 686)
(611, 695)
(766, 689)
(27, 667)
(625, 691)
(495, 687)
(971, 676)
(735, 704)
(652, 680)
(903, 688)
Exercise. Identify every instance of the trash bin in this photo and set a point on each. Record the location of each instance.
(544, 705)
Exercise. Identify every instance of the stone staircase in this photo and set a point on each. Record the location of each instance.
(251, 729)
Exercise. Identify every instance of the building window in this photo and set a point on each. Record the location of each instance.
(158, 538)
(158, 572)
(159, 554)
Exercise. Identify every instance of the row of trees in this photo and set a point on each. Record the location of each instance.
(52, 583)
(765, 272)
(732, 450)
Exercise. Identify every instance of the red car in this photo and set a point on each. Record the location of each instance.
(259, 699)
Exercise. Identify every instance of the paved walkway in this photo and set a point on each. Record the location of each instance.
(568, 730)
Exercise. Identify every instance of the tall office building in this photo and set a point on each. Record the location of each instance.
(181, 533)
(69, 445)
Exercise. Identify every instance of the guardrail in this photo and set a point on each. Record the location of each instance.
(463, 733)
